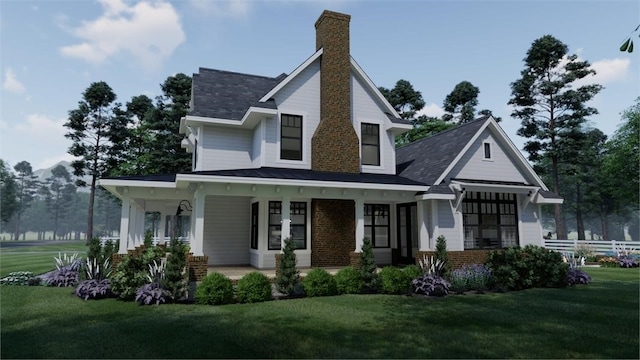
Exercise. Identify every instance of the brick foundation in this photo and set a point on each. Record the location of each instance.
(459, 258)
(354, 259)
(333, 229)
(197, 266)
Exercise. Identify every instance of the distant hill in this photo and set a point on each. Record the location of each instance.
(43, 174)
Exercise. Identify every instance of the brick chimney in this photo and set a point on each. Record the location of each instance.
(335, 146)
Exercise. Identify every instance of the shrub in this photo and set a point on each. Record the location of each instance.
(319, 282)
(576, 276)
(412, 271)
(214, 289)
(532, 266)
(175, 271)
(470, 277)
(253, 287)
(394, 281)
(609, 261)
(18, 278)
(288, 279)
(430, 265)
(349, 281)
(64, 277)
(628, 261)
(94, 289)
(152, 293)
(441, 254)
(368, 269)
(131, 272)
(430, 285)
(148, 239)
(584, 250)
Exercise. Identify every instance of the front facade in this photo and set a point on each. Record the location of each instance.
(311, 156)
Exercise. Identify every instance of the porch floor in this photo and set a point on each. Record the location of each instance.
(237, 272)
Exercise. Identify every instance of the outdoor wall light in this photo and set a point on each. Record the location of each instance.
(182, 206)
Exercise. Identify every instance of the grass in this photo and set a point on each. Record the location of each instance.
(595, 321)
(36, 258)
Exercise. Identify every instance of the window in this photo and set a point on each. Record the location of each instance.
(298, 217)
(195, 155)
(291, 137)
(487, 150)
(490, 220)
(255, 207)
(376, 224)
(370, 144)
(183, 225)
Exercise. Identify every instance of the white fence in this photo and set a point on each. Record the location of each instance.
(154, 240)
(599, 247)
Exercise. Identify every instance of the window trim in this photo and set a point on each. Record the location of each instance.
(291, 225)
(496, 198)
(255, 226)
(373, 225)
(487, 147)
(280, 136)
(377, 145)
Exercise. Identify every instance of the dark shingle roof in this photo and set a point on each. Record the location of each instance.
(396, 120)
(549, 194)
(289, 174)
(426, 159)
(228, 95)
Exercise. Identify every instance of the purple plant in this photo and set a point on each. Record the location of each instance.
(470, 277)
(152, 293)
(628, 261)
(94, 289)
(63, 277)
(430, 285)
(576, 276)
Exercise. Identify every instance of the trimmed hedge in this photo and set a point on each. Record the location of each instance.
(214, 289)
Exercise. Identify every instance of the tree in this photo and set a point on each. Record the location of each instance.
(288, 278)
(8, 193)
(627, 45)
(404, 98)
(548, 106)
(59, 195)
(423, 126)
(91, 127)
(26, 189)
(460, 104)
(487, 112)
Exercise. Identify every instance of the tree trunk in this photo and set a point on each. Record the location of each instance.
(92, 197)
(603, 224)
(557, 209)
(17, 232)
(579, 220)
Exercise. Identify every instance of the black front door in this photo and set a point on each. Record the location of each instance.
(407, 232)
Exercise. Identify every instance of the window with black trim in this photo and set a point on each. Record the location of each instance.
(255, 214)
(298, 217)
(487, 150)
(370, 144)
(291, 137)
(377, 224)
(490, 220)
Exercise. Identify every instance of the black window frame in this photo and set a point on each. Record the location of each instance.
(370, 210)
(285, 122)
(481, 203)
(487, 150)
(365, 130)
(295, 207)
(255, 225)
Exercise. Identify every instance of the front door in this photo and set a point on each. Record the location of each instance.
(407, 232)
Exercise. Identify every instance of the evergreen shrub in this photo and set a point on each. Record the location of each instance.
(214, 289)
(288, 279)
(319, 282)
(368, 268)
(519, 268)
(394, 281)
(349, 281)
(253, 287)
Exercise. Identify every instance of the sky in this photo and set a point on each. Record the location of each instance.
(51, 51)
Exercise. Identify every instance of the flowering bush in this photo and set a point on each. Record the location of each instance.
(627, 261)
(470, 277)
(94, 289)
(609, 261)
(576, 276)
(430, 285)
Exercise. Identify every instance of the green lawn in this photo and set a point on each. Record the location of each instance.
(595, 321)
(36, 258)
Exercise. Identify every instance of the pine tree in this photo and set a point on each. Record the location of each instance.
(175, 272)
(441, 254)
(368, 268)
(288, 277)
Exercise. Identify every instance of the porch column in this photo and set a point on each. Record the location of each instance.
(286, 221)
(133, 214)
(163, 225)
(139, 226)
(423, 232)
(434, 224)
(359, 224)
(196, 240)
(124, 226)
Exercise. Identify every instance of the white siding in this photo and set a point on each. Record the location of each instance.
(530, 230)
(500, 167)
(225, 148)
(300, 97)
(227, 230)
(365, 109)
(256, 149)
(450, 226)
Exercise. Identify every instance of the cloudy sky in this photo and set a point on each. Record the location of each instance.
(51, 51)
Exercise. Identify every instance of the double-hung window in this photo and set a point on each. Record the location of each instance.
(298, 217)
(376, 224)
(370, 144)
(291, 137)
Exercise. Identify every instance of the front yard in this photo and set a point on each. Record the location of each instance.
(599, 320)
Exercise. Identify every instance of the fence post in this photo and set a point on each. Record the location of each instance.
(613, 246)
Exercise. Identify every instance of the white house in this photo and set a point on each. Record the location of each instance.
(311, 155)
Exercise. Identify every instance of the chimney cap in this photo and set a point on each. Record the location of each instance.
(334, 15)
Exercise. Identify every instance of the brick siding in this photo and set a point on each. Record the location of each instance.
(459, 258)
(333, 229)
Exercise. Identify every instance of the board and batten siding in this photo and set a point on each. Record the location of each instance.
(226, 230)
(501, 167)
(449, 226)
(225, 148)
(299, 97)
(366, 110)
(529, 228)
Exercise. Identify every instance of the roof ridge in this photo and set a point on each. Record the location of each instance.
(482, 118)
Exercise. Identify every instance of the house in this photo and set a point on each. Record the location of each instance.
(311, 155)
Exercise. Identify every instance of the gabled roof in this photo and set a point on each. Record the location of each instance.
(426, 159)
(228, 95)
